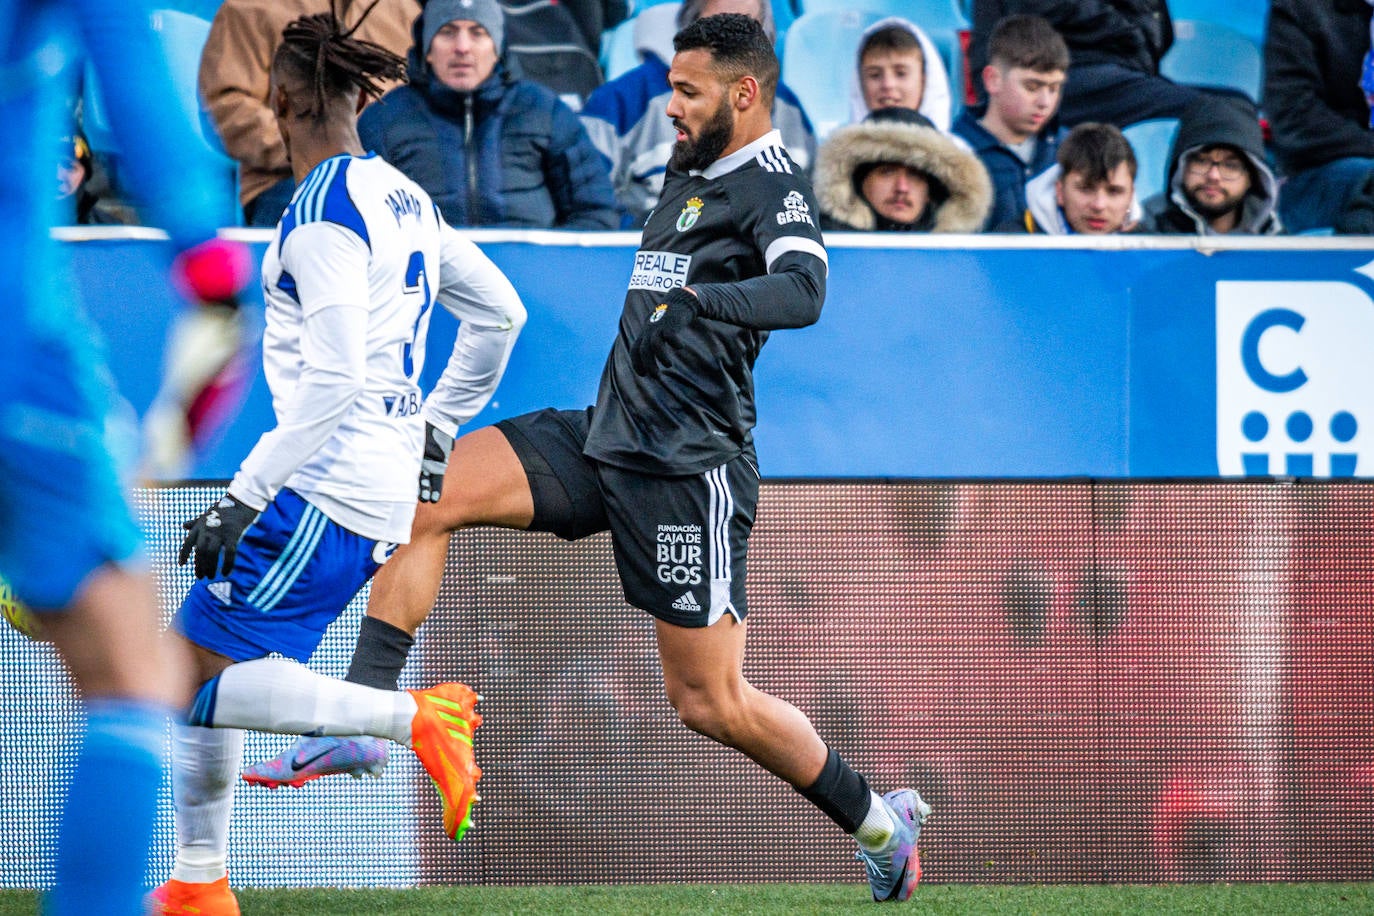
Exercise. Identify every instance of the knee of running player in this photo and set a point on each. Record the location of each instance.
(717, 711)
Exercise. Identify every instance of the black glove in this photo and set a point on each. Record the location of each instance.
(662, 331)
(216, 530)
(438, 446)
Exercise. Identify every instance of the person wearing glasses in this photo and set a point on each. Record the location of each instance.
(1218, 181)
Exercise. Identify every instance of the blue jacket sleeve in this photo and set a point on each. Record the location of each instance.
(578, 180)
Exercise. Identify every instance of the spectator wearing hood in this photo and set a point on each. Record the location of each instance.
(1218, 181)
(1016, 131)
(492, 150)
(1115, 47)
(895, 172)
(625, 117)
(236, 85)
(1089, 191)
(898, 66)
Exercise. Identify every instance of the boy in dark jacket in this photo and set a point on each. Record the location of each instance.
(490, 149)
(1115, 47)
(1015, 132)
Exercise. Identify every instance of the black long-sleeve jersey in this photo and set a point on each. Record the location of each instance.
(744, 235)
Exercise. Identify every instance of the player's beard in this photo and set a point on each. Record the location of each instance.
(689, 155)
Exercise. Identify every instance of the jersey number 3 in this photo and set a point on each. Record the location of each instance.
(417, 281)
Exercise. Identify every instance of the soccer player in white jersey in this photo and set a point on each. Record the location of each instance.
(358, 259)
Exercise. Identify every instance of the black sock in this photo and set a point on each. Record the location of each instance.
(380, 654)
(840, 792)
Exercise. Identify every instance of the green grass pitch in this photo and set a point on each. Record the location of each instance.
(653, 900)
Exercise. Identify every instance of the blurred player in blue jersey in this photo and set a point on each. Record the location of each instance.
(358, 260)
(68, 544)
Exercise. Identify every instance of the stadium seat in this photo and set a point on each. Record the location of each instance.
(618, 52)
(1249, 17)
(818, 63)
(182, 37)
(1151, 140)
(1214, 56)
(784, 14)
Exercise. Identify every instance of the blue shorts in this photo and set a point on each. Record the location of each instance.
(63, 509)
(295, 572)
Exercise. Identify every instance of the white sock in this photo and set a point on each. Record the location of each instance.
(205, 766)
(877, 829)
(278, 695)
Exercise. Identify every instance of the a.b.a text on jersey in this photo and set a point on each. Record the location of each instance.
(660, 271)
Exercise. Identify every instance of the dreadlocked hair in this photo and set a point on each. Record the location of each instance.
(325, 56)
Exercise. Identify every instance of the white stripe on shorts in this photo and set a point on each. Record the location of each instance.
(287, 568)
(722, 508)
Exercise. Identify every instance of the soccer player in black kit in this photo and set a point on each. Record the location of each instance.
(665, 459)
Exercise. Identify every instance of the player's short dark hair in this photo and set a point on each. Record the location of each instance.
(319, 53)
(1027, 41)
(1094, 151)
(691, 11)
(893, 39)
(738, 46)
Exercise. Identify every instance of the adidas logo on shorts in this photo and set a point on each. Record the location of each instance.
(221, 590)
(687, 602)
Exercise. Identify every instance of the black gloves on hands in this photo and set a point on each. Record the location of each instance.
(216, 530)
(438, 446)
(661, 333)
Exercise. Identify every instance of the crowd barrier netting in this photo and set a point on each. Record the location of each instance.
(1120, 681)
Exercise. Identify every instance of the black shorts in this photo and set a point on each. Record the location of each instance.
(680, 543)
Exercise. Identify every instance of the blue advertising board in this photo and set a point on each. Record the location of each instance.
(976, 356)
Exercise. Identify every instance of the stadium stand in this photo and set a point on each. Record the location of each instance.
(1213, 56)
(1245, 16)
(1151, 141)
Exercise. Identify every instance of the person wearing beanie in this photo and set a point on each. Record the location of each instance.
(1218, 180)
(235, 84)
(491, 149)
(895, 172)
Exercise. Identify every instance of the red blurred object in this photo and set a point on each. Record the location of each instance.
(213, 271)
(970, 87)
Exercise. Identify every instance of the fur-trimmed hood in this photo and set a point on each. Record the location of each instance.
(923, 148)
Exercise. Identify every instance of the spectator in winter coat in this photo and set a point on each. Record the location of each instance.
(896, 173)
(1218, 181)
(1313, 55)
(625, 117)
(1015, 132)
(490, 149)
(1114, 49)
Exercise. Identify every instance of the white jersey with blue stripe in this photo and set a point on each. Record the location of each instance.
(348, 289)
